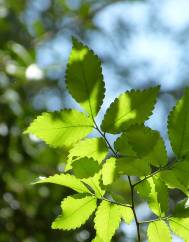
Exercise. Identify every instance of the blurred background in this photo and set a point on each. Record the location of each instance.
(141, 44)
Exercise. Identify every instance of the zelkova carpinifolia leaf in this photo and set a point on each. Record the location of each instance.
(179, 221)
(158, 231)
(142, 142)
(107, 220)
(178, 126)
(61, 129)
(85, 167)
(66, 180)
(84, 78)
(95, 148)
(75, 212)
(158, 196)
(132, 107)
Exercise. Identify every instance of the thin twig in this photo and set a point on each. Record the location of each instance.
(153, 220)
(152, 174)
(131, 186)
(134, 210)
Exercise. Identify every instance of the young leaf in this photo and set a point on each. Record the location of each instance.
(180, 226)
(146, 144)
(108, 171)
(179, 222)
(95, 148)
(123, 147)
(132, 166)
(85, 167)
(142, 139)
(172, 181)
(132, 107)
(98, 239)
(158, 231)
(94, 184)
(181, 171)
(107, 220)
(66, 180)
(76, 212)
(144, 189)
(178, 126)
(126, 214)
(84, 78)
(61, 129)
(158, 196)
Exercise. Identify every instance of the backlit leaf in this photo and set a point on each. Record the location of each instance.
(84, 78)
(85, 167)
(158, 231)
(132, 166)
(66, 180)
(95, 148)
(61, 129)
(75, 212)
(108, 171)
(107, 220)
(158, 196)
(178, 126)
(126, 214)
(132, 107)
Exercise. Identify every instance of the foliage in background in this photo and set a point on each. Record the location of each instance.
(139, 154)
(27, 26)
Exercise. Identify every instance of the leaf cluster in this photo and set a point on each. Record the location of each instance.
(139, 154)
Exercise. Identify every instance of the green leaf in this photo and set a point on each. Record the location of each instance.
(158, 196)
(180, 226)
(181, 171)
(158, 231)
(179, 222)
(85, 167)
(172, 181)
(95, 148)
(132, 107)
(126, 214)
(107, 220)
(61, 129)
(146, 144)
(123, 147)
(132, 166)
(98, 239)
(76, 212)
(144, 189)
(108, 171)
(66, 180)
(94, 184)
(84, 78)
(178, 126)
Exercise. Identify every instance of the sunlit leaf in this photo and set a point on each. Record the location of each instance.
(85, 167)
(158, 231)
(66, 180)
(95, 148)
(132, 166)
(61, 129)
(126, 214)
(108, 171)
(94, 184)
(84, 78)
(132, 107)
(158, 196)
(107, 220)
(75, 212)
(178, 126)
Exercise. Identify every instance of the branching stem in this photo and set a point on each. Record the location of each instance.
(132, 206)
(134, 210)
